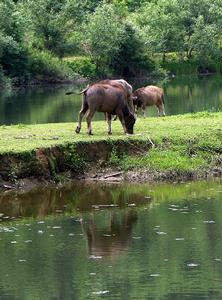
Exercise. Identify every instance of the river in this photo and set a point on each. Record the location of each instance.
(51, 105)
(130, 241)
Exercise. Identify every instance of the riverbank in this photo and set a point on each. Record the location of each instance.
(171, 148)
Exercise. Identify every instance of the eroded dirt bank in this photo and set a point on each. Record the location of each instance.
(95, 161)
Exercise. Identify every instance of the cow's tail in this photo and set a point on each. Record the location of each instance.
(79, 93)
(84, 90)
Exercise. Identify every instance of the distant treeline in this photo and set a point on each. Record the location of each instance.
(53, 40)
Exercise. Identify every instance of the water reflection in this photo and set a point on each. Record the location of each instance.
(114, 237)
(128, 241)
(50, 104)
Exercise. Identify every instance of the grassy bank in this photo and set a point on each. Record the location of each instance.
(186, 145)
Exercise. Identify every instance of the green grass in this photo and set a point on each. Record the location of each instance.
(203, 129)
(180, 143)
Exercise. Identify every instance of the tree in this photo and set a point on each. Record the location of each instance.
(179, 25)
(132, 59)
(104, 33)
(45, 19)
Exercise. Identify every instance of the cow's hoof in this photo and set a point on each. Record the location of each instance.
(90, 133)
(77, 130)
(110, 133)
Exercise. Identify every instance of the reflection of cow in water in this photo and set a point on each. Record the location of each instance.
(112, 238)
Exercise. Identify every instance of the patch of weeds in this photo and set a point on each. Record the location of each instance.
(114, 159)
(202, 114)
(163, 161)
(73, 160)
(62, 178)
(13, 174)
(52, 164)
(21, 126)
(174, 161)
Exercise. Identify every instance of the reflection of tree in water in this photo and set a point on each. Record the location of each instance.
(113, 235)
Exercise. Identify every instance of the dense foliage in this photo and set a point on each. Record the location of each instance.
(55, 39)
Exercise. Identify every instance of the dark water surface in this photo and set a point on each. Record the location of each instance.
(50, 104)
(113, 242)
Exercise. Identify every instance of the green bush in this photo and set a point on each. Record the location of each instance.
(82, 65)
(43, 65)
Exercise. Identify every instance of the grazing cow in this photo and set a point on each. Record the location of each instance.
(109, 99)
(126, 87)
(148, 96)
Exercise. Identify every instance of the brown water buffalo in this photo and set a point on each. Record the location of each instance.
(126, 87)
(109, 99)
(148, 96)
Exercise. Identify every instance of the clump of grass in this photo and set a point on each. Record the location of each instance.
(161, 161)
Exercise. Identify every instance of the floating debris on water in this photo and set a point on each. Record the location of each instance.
(192, 265)
(78, 220)
(13, 242)
(136, 237)
(22, 260)
(71, 234)
(209, 222)
(40, 231)
(56, 227)
(173, 209)
(95, 257)
(156, 228)
(161, 232)
(28, 241)
(100, 292)
(98, 206)
(179, 239)
(154, 275)
(41, 222)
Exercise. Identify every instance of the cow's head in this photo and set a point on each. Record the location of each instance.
(129, 122)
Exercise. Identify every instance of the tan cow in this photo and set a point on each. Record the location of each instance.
(148, 96)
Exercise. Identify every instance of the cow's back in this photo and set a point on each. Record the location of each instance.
(155, 89)
(105, 98)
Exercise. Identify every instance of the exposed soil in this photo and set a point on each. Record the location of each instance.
(83, 161)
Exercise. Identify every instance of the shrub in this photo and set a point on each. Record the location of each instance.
(82, 65)
(43, 65)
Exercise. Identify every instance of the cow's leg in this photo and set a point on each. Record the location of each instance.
(81, 115)
(109, 120)
(161, 111)
(143, 111)
(136, 109)
(89, 117)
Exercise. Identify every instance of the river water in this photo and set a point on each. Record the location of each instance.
(130, 241)
(51, 105)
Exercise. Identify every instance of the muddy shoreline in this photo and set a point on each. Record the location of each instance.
(86, 162)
